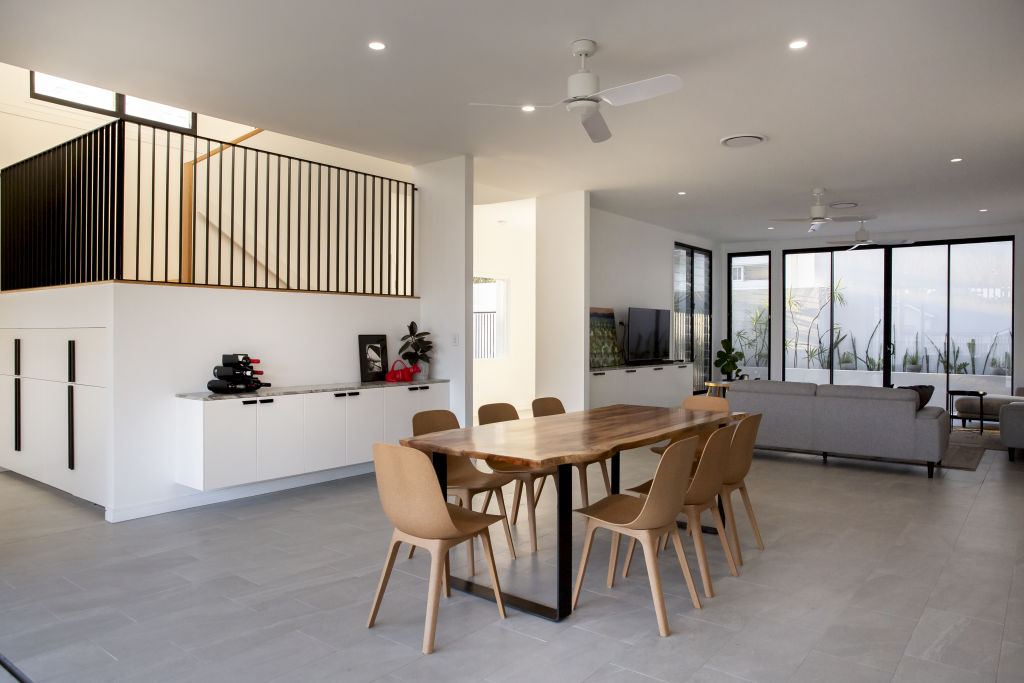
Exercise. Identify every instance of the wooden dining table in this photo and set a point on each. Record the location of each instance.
(561, 440)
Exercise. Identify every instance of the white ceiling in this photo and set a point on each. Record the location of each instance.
(886, 93)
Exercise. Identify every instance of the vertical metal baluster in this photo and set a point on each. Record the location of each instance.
(309, 225)
(206, 218)
(152, 205)
(298, 230)
(386, 225)
(348, 194)
(328, 273)
(365, 192)
(167, 204)
(231, 253)
(245, 205)
(277, 241)
(181, 195)
(319, 216)
(412, 241)
(192, 230)
(220, 216)
(288, 259)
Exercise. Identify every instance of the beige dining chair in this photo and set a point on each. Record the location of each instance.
(647, 520)
(702, 495)
(715, 404)
(549, 405)
(491, 413)
(464, 480)
(413, 502)
(741, 454)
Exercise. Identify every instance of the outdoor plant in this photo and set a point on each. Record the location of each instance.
(820, 354)
(416, 348)
(727, 360)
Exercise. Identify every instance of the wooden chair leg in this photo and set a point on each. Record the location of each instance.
(693, 523)
(485, 538)
(487, 501)
(447, 574)
(531, 515)
(470, 559)
(604, 474)
(584, 494)
(504, 523)
(587, 542)
(685, 566)
(389, 563)
(412, 549)
(629, 557)
(540, 487)
(437, 553)
(750, 514)
(720, 525)
(730, 524)
(613, 558)
(515, 500)
(650, 544)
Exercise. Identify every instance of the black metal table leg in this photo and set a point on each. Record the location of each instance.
(615, 473)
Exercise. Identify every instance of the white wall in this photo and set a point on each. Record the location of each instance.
(444, 272)
(563, 296)
(508, 250)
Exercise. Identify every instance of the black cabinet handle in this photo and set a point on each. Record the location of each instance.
(353, 393)
(249, 403)
(413, 388)
(71, 361)
(266, 400)
(71, 427)
(658, 369)
(630, 370)
(17, 413)
(341, 395)
(17, 356)
(597, 374)
(424, 388)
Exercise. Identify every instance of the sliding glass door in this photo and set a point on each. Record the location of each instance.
(857, 312)
(919, 305)
(749, 306)
(691, 315)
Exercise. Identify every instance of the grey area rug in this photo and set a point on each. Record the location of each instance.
(966, 446)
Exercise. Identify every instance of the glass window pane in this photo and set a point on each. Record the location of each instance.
(80, 93)
(701, 319)
(154, 111)
(681, 286)
(808, 296)
(859, 298)
(919, 318)
(749, 288)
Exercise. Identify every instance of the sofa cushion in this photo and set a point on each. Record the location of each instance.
(924, 393)
(967, 406)
(774, 387)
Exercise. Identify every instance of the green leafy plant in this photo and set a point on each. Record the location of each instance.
(416, 348)
(727, 359)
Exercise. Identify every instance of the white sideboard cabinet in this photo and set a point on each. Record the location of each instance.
(647, 385)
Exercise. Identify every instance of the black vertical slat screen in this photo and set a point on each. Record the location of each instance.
(134, 202)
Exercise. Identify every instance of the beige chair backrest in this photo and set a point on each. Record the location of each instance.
(549, 405)
(497, 412)
(711, 468)
(664, 501)
(714, 404)
(410, 494)
(741, 453)
(429, 421)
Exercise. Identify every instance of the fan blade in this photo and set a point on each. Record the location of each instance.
(815, 225)
(514, 106)
(596, 127)
(641, 90)
(853, 219)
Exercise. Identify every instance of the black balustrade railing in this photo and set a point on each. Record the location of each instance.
(140, 203)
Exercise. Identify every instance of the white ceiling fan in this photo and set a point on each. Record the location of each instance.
(585, 95)
(862, 238)
(819, 213)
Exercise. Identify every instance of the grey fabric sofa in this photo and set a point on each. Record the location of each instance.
(870, 422)
(1011, 427)
(967, 407)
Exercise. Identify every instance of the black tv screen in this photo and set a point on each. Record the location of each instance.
(650, 332)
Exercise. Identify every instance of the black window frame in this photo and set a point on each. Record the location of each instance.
(118, 112)
(707, 253)
(728, 294)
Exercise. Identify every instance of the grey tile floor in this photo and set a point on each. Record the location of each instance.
(872, 572)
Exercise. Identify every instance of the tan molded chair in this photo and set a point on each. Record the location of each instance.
(550, 405)
(464, 480)
(412, 500)
(504, 412)
(646, 520)
(702, 495)
(715, 404)
(738, 464)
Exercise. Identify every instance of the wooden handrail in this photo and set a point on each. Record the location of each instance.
(188, 175)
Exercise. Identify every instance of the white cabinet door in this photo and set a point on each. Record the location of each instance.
(364, 424)
(6, 420)
(279, 437)
(400, 403)
(44, 354)
(656, 386)
(229, 443)
(7, 338)
(92, 355)
(607, 387)
(88, 480)
(323, 430)
(44, 430)
(684, 378)
(431, 397)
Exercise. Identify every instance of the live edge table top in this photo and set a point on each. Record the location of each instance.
(568, 438)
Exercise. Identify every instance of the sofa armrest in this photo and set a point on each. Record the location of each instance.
(931, 434)
(1011, 425)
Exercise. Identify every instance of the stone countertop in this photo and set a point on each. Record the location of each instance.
(634, 367)
(305, 389)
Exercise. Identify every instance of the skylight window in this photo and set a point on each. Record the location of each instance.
(79, 95)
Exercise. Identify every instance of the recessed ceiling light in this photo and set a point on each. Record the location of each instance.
(377, 45)
(843, 205)
(771, 227)
(680, 193)
(983, 210)
(529, 107)
(798, 44)
(957, 160)
(742, 140)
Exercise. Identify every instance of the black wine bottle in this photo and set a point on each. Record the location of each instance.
(235, 373)
(238, 360)
(223, 386)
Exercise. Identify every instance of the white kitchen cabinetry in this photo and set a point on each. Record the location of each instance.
(341, 426)
(92, 431)
(227, 431)
(364, 422)
(279, 436)
(402, 402)
(657, 385)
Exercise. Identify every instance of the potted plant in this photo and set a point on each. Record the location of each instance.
(727, 360)
(416, 349)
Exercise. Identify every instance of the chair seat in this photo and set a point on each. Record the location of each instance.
(469, 522)
(480, 481)
(643, 489)
(516, 469)
(616, 509)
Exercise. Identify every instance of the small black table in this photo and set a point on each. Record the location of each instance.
(953, 393)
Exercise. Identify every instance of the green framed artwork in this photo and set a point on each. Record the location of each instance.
(604, 341)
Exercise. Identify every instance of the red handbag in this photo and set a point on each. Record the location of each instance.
(402, 374)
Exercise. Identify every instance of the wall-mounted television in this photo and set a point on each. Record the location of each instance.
(649, 336)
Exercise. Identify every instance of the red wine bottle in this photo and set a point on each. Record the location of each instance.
(238, 360)
(235, 374)
(223, 386)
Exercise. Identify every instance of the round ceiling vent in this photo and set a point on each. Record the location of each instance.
(743, 140)
(843, 205)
